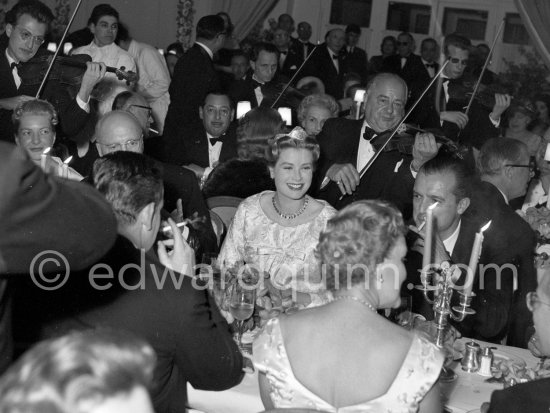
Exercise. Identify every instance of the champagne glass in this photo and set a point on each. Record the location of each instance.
(241, 305)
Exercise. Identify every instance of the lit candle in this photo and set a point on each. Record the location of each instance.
(286, 114)
(242, 108)
(65, 167)
(44, 159)
(474, 259)
(358, 99)
(427, 256)
(52, 47)
(547, 159)
(67, 47)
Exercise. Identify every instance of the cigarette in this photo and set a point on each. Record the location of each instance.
(153, 131)
(422, 225)
(169, 228)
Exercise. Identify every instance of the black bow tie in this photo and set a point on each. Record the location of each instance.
(256, 84)
(335, 56)
(214, 141)
(376, 139)
(432, 65)
(283, 52)
(445, 80)
(15, 65)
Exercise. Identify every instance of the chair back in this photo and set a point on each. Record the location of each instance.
(224, 206)
(219, 227)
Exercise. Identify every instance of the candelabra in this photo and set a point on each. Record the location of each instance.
(442, 294)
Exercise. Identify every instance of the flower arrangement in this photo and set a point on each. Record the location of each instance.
(539, 220)
(61, 12)
(184, 21)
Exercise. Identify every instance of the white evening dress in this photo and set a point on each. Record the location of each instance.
(418, 373)
(286, 253)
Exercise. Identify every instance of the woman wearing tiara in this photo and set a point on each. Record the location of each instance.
(277, 231)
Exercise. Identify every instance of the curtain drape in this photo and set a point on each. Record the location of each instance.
(245, 14)
(535, 15)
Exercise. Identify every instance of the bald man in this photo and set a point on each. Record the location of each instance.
(121, 131)
(328, 64)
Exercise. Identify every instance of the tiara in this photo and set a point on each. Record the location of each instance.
(297, 133)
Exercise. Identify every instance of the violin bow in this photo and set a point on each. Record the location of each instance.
(398, 126)
(56, 53)
(478, 82)
(294, 76)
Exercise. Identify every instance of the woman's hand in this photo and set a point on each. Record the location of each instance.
(182, 257)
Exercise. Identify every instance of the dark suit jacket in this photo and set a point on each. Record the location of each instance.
(339, 141)
(71, 116)
(515, 238)
(191, 146)
(357, 62)
(299, 47)
(39, 213)
(293, 60)
(179, 320)
(411, 71)
(321, 65)
(194, 76)
(532, 397)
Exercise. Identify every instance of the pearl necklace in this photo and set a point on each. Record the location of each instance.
(290, 216)
(351, 297)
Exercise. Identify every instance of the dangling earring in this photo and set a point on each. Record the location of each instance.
(380, 279)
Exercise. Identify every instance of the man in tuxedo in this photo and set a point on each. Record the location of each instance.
(505, 172)
(444, 108)
(289, 58)
(449, 182)
(348, 145)
(121, 131)
(27, 24)
(302, 45)
(428, 55)
(194, 76)
(328, 64)
(356, 58)
(405, 63)
(40, 215)
(263, 86)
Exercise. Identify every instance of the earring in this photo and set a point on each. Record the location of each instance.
(380, 280)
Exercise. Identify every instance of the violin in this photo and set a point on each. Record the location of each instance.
(403, 140)
(67, 70)
(485, 96)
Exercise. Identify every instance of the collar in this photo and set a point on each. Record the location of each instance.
(331, 53)
(106, 47)
(450, 241)
(205, 47)
(256, 79)
(426, 62)
(10, 59)
(503, 194)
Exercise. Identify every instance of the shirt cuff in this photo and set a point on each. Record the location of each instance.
(495, 123)
(85, 106)
(413, 173)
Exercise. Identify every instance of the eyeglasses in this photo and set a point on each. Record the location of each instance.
(532, 166)
(25, 36)
(129, 145)
(456, 60)
(532, 299)
(213, 111)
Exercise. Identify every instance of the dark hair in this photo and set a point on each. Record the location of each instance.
(34, 8)
(84, 367)
(457, 41)
(356, 240)
(121, 99)
(122, 33)
(129, 181)
(102, 10)
(443, 163)
(209, 27)
(239, 53)
(175, 48)
(218, 92)
(428, 40)
(296, 139)
(238, 177)
(330, 31)
(263, 47)
(254, 130)
(410, 36)
(230, 26)
(390, 38)
(499, 151)
(353, 28)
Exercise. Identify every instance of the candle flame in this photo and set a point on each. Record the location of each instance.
(69, 159)
(47, 150)
(484, 228)
(432, 206)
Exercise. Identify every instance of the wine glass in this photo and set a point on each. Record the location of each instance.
(241, 305)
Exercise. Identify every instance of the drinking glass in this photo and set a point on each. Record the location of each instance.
(241, 305)
(403, 315)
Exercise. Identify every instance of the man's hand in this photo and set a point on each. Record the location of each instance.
(458, 118)
(13, 102)
(182, 257)
(425, 148)
(94, 73)
(196, 169)
(502, 102)
(345, 175)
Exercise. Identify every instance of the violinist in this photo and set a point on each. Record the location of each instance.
(264, 84)
(445, 107)
(27, 24)
(347, 145)
(103, 24)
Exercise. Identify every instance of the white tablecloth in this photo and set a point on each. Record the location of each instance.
(466, 393)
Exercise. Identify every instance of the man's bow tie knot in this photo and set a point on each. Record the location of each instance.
(15, 65)
(376, 139)
(256, 84)
(283, 52)
(335, 56)
(432, 65)
(214, 141)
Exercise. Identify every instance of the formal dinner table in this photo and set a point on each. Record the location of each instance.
(464, 394)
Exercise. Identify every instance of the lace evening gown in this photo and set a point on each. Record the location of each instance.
(286, 253)
(418, 373)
